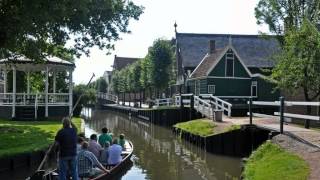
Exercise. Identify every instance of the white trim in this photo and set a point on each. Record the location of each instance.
(226, 63)
(254, 83)
(257, 75)
(240, 60)
(213, 88)
(227, 77)
(299, 116)
(217, 60)
(207, 55)
(236, 96)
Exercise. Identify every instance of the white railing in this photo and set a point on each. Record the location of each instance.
(218, 103)
(107, 96)
(163, 102)
(177, 100)
(287, 103)
(203, 107)
(25, 99)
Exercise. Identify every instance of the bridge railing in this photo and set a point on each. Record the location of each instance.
(281, 114)
(218, 103)
(203, 107)
(186, 99)
(107, 96)
(163, 102)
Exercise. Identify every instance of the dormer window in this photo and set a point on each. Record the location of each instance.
(230, 63)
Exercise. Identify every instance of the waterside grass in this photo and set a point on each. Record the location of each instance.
(270, 161)
(28, 136)
(201, 127)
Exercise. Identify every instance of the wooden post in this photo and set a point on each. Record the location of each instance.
(14, 91)
(5, 81)
(70, 90)
(46, 92)
(28, 83)
(250, 109)
(54, 83)
(281, 113)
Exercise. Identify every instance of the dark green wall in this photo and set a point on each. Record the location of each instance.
(231, 87)
(219, 70)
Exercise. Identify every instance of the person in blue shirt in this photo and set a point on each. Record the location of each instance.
(114, 153)
(66, 139)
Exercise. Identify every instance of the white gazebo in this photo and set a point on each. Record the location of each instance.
(50, 101)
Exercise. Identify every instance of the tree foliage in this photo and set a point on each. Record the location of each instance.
(298, 65)
(101, 85)
(38, 28)
(154, 71)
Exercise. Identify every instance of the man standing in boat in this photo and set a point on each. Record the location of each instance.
(66, 139)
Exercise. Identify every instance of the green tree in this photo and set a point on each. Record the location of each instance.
(89, 96)
(37, 28)
(161, 57)
(101, 85)
(298, 65)
(283, 15)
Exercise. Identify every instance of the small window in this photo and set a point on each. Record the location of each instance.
(211, 89)
(254, 88)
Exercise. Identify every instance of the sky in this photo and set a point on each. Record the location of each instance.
(191, 16)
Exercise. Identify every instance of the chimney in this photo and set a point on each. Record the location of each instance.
(212, 46)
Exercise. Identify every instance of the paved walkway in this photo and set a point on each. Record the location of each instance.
(307, 135)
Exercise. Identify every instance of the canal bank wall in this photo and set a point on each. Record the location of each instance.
(162, 117)
(237, 143)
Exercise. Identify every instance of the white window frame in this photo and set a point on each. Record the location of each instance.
(213, 88)
(226, 63)
(254, 83)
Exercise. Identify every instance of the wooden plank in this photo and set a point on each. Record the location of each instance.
(263, 115)
(299, 116)
(301, 103)
(265, 103)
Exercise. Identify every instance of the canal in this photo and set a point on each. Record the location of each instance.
(159, 154)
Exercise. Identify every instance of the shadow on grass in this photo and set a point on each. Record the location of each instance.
(23, 139)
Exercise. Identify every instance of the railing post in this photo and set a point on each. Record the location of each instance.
(192, 101)
(281, 114)
(250, 110)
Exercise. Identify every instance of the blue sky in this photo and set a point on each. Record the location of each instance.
(192, 16)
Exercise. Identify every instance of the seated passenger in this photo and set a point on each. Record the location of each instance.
(79, 144)
(94, 147)
(104, 154)
(115, 153)
(88, 165)
(122, 141)
(105, 137)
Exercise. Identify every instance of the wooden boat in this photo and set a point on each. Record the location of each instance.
(113, 170)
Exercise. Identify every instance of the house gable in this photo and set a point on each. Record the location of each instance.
(229, 65)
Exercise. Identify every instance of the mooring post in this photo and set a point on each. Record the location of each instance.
(281, 114)
(250, 110)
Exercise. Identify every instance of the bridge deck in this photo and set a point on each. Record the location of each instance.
(309, 136)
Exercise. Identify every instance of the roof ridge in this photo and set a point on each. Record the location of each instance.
(220, 34)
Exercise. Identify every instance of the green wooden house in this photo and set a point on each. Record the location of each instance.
(230, 67)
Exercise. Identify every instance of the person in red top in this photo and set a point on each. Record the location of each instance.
(66, 139)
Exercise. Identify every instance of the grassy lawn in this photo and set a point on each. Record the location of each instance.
(272, 162)
(28, 136)
(201, 127)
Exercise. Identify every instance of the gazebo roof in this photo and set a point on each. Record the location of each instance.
(24, 63)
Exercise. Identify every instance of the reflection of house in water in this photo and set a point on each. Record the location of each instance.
(155, 144)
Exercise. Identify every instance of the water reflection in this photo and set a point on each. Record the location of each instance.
(158, 154)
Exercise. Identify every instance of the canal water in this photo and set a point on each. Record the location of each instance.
(159, 154)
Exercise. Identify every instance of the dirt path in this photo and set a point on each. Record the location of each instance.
(309, 153)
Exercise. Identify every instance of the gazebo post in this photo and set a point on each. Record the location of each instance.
(70, 91)
(28, 83)
(5, 81)
(54, 82)
(46, 93)
(14, 90)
